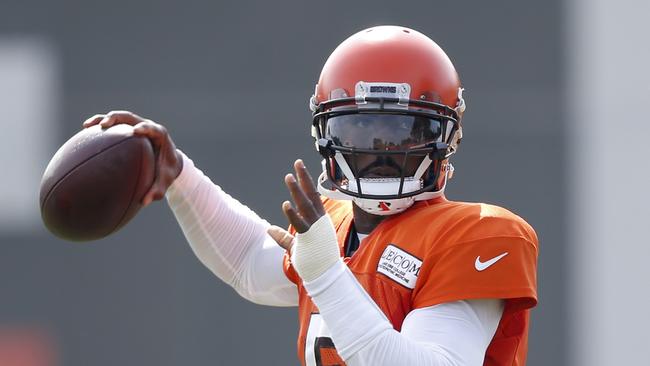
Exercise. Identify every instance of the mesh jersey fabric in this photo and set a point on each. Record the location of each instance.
(447, 245)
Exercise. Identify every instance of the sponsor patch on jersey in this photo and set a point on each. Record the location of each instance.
(399, 266)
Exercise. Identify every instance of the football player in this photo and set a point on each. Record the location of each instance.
(384, 269)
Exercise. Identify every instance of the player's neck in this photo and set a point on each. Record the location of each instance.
(364, 222)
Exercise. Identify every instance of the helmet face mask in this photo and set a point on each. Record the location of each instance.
(375, 144)
(388, 144)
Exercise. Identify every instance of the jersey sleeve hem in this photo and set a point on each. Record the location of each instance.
(517, 299)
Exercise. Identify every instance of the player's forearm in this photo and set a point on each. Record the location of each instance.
(228, 237)
(455, 333)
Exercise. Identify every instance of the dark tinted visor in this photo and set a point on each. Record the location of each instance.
(382, 131)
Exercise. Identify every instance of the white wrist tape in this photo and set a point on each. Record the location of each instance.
(316, 250)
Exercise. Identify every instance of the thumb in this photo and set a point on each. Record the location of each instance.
(282, 237)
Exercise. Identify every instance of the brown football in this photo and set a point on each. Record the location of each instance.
(95, 182)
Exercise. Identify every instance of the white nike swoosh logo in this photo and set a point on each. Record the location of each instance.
(481, 266)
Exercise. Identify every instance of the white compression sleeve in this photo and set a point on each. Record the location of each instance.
(455, 333)
(230, 239)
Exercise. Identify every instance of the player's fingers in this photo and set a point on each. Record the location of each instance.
(158, 188)
(147, 199)
(168, 162)
(117, 117)
(92, 120)
(282, 237)
(307, 184)
(294, 218)
(300, 199)
(155, 132)
(155, 193)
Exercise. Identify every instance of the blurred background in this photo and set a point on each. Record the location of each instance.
(231, 81)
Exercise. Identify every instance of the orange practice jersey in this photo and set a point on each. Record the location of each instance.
(435, 252)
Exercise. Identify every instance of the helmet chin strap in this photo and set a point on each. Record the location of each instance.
(381, 186)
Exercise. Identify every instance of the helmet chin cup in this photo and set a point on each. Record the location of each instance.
(371, 206)
(384, 186)
(380, 207)
(384, 208)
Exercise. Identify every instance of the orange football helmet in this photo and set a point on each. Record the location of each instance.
(387, 115)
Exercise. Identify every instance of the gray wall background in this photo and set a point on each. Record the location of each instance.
(231, 81)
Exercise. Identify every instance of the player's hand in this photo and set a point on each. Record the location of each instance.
(316, 248)
(308, 206)
(169, 161)
(282, 237)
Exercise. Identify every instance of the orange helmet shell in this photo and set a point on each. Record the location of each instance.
(395, 71)
(390, 54)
